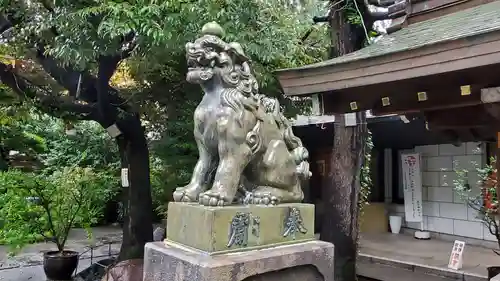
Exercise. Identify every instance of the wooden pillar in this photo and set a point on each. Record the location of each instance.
(497, 165)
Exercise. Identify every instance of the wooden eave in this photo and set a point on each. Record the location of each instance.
(432, 60)
(421, 10)
(463, 40)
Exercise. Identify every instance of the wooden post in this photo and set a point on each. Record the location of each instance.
(340, 192)
(497, 165)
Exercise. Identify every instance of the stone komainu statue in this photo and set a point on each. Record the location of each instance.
(247, 150)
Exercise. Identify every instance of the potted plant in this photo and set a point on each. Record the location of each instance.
(67, 198)
(484, 201)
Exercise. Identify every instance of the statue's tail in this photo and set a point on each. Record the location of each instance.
(294, 144)
(299, 152)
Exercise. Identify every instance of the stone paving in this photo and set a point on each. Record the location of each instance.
(430, 256)
(402, 249)
(432, 252)
(33, 254)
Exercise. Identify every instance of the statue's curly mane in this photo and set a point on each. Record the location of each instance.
(240, 88)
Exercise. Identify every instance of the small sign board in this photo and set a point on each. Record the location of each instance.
(465, 90)
(113, 131)
(316, 108)
(456, 257)
(350, 119)
(124, 176)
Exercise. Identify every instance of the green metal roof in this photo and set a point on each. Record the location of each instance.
(473, 21)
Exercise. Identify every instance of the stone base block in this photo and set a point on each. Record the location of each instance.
(307, 261)
(217, 230)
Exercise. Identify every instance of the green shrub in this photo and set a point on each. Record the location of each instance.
(36, 206)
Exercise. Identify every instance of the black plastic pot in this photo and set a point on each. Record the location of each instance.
(493, 271)
(60, 265)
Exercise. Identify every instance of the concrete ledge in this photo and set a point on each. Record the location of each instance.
(385, 269)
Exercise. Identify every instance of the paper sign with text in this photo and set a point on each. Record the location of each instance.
(456, 257)
(125, 182)
(412, 184)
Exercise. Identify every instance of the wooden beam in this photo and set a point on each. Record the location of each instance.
(452, 136)
(443, 98)
(402, 98)
(466, 117)
(493, 110)
(490, 95)
(425, 10)
(406, 101)
(475, 134)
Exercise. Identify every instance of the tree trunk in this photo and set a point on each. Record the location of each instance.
(4, 159)
(137, 203)
(341, 189)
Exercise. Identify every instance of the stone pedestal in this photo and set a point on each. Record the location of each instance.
(208, 229)
(306, 261)
(241, 242)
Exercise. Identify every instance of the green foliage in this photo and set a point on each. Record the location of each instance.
(365, 174)
(483, 200)
(90, 147)
(270, 33)
(13, 135)
(49, 205)
(19, 217)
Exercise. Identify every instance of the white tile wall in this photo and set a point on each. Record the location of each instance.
(447, 178)
(453, 211)
(472, 215)
(467, 162)
(457, 198)
(430, 178)
(443, 209)
(439, 163)
(468, 229)
(474, 148)
(428, 150)
(487, 234)
(440, 194)
(417, 225)
(451, 150)
(430, 208)
(441, 225)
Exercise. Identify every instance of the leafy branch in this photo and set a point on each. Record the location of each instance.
(484, 202)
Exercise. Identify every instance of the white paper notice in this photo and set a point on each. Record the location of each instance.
(412, 183)
(350, 119)
(113, 131)
(125, 182)
(457, 254)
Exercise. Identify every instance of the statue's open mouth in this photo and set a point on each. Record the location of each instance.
(192, 64)
(200, 69)
(199, 63)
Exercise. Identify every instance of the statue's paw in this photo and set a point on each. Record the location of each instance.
(179, 194)
(182, 194)
(213, 198)
(303, 170)
(264, 199)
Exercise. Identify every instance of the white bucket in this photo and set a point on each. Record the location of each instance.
(395, 223)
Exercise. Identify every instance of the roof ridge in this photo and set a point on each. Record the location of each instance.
(462, 24)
